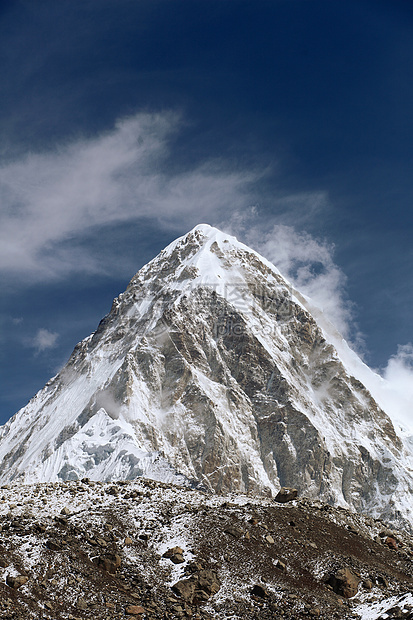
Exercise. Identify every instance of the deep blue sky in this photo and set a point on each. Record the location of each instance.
(311, 101)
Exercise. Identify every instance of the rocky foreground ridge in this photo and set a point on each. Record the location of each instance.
(149, 550)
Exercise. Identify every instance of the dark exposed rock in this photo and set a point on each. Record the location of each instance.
(286, 495)
(234, 531)
(260, 591)
(382, 581)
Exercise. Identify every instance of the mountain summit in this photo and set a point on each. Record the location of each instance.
(210, 370)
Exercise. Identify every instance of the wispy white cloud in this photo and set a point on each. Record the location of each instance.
(44, 339)
(121, 176)
(308, 263)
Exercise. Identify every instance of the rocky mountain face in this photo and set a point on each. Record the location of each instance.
(212, 372)
(147, 550)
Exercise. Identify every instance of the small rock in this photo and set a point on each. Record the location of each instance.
(391, 543)
(16, 582)
(269, 539)
(286, 494)
(81, 604)
(109, 562)
(208, 581)
(396, 612)
(367, 584)
(280, 565)
(173, 551)
(382, 581)
(344, 582)
(236, 532)
(199, 587)
(128, 541)
(258, 590)
(185, 588)
(101, 542)
(134, 610)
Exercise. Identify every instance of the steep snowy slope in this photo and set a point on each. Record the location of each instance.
(211, 370)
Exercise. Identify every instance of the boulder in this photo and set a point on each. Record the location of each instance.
(208, 581)
(344, 582)
(134, 610)
(16, 582)
(81, 604)
(286, 494)
(234, 531)
(258, 590)
(185, 588)
(391, 543)
(109, 562)
(173, 551)
(199, 587)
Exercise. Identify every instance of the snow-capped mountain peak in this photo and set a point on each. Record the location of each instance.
(210, 369)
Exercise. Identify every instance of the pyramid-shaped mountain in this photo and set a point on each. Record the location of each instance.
(211, 370)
